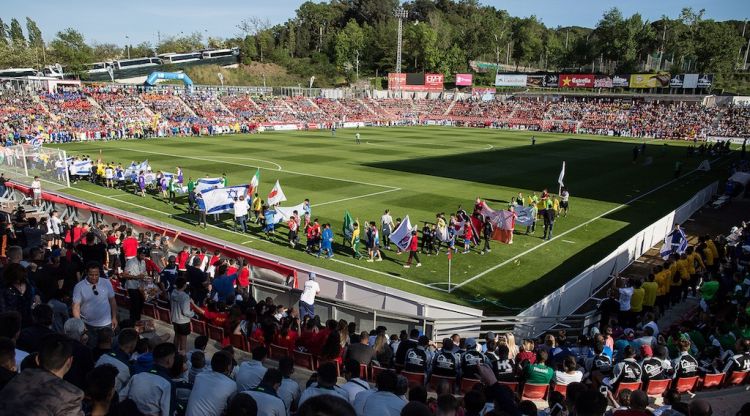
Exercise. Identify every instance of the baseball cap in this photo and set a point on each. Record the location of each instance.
(471, 343)
(490, 335)
(646, 350)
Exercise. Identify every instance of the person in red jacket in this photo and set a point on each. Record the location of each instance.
(468, 236)
(129, 245)
(413, 249)
(182, 258)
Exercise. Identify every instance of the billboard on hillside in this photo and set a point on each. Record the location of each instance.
(535, 81)
(464, 80)
(705, 80)
(621, 81)
(684, 81)
(552, 80)
(433, 82)
(576, 80)
(427, 82)
(510, 80)
(602, 81)
(414, 79)
(660, 80)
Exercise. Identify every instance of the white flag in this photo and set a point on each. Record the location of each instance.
(284, 213)
(402, 235)
(562, 175)
(276, 195)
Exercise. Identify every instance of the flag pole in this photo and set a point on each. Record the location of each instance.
(449, 274)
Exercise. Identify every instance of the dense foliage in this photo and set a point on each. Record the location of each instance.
(332, 40)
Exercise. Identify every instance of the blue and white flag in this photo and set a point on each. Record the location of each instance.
(205, 184)
(80, 167)
(526, 215)
(402, 235)
(674, 243)
(220, 200)
(135, 169)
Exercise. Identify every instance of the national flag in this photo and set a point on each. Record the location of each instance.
(206, 184)
(254, 182)
(504, 223)
(220, 200)
(525, 215)
(348, 226)
(276, 195)
(81, 168)
(562, 175)
(402, 235)
(284, 213)
(674, 243)
(135, 169)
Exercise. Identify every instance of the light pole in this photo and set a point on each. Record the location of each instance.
(401, 14)
(127, 45)
(357, 64)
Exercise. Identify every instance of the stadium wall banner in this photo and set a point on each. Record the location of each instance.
(705, 80)
(535, 81)
(603, 81)
(413, 78)
(621, 81)
(433, 82)
(660, 80)
(551, 80)
(510, 80)
(464, 80)
(684, 81)
(429, 82)
(576, 80)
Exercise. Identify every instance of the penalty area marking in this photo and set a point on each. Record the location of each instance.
(617, 208)
(278, 167)
(486, 147)
(356, 197)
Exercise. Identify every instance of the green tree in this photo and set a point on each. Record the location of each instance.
(3, 33)
(715, 47)
(105, 52)
(35, 35)
(16, 34)
(420, 48)
(69, 48)
(141, 49)
(528, 35)
(349, 42)
(179, 44)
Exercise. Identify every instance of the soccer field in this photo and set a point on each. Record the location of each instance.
(420, 171)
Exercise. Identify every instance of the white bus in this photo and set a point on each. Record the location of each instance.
(137, 63)
(178, 58)
(18, 72)
(221, 53)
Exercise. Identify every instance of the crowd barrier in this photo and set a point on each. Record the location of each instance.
(572, 295)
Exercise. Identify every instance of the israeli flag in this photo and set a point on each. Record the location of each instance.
(206, 184)
(221, 200)
(674, 243)
(81, 168)
(135, 169)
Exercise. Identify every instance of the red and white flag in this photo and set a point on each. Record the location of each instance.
(276, 195)
(254, 182)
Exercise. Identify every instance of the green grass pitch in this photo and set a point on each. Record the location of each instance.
(420, 171)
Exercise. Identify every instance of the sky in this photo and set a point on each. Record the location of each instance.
(136, 21)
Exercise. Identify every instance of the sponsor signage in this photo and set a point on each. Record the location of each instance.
(429, 82)
(576, 80)
(602, 81)
(705, 80)
(621, 81)
(464, 80)
(535, 81)
(414, 79)
(551, 80)
(433, 82)
(660, 80)
(510, 80)
(684, 81)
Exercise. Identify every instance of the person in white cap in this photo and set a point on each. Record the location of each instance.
(307, 300)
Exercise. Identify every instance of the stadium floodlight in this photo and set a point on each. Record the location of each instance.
(401, 14)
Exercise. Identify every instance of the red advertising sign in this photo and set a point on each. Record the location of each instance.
(463, 80)
(577, 80)
(432, 82)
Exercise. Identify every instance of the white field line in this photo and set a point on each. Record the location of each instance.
(259, 167)
(356, 197)
(388, 143)
(617, 208)
(278, 167)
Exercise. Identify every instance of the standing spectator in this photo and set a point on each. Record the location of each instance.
(198, 280)
(307, 300)
(42, 390)
(413, 250)
(31, 336)
(36, 188)
(94, 302)
(223, 285)
(180, 314)
(153, 391)
(135, 273)
(212, 389)
(17, 292)
(129, 245)
(3, 188)
(360, 349)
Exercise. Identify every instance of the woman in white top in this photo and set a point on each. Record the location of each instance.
(571, 374)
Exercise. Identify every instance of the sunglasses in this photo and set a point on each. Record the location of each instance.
(96, 292)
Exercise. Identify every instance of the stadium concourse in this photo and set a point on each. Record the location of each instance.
(117, 111)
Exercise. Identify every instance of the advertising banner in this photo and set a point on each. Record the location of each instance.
(396, 80)
(684, 81)
(576, 80)
(464, 80)
(660, 80)
(510, 80)
(433, 82)
(551, 80)
(705, 80)
(535, 81)
(602, 81)
(621, 81)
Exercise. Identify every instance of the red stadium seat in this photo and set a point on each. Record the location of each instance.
(149, 309)
(627, 386)
(534, 391)
(513, 386)
(277, 351)
(215, 333)
(467, 384)
(363, 371)
(163, 314)
(656, 388)
(418, 378)
(199, 327)
(737, 377)
(560, 388)
(686, 384)
(375, 370)
(252, 343)
(238, 341)
(713, 380)
(304, 360)
(336, 363)
(435, 380)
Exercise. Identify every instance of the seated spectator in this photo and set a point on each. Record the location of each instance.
(538, 372)
(8, 368)
(153, 392)
(638, 405)
(197, 365)
(447, 405)
(446, 363)
(31, 336)
(326, 384)
(653, 368)
(471, 359)
(419, 359)
(474, 402)
(242, 405)
(354, 384)
(359, 349)
(250, 373)
(384, 401)
(289, 391)
(383, 351)
(330, 406)
(685, 365)
(212, 389)
(570, 373)
(43, 390)
(626, 371)
(103, 343)
(83, 360)
(100, 390)
(119, 357)
(590, 403)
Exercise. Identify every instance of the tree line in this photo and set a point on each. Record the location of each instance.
(338, 39)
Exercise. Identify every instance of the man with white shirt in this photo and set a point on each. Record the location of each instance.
(240, 213)
(289, 391)
(387, 227)
(94, 302)
(307, 300)
(212, 389)
(354, 385)
(384, 402)
(119, 357)
(326, 384)
(265, 394)
(36, 188)
(251, 372)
